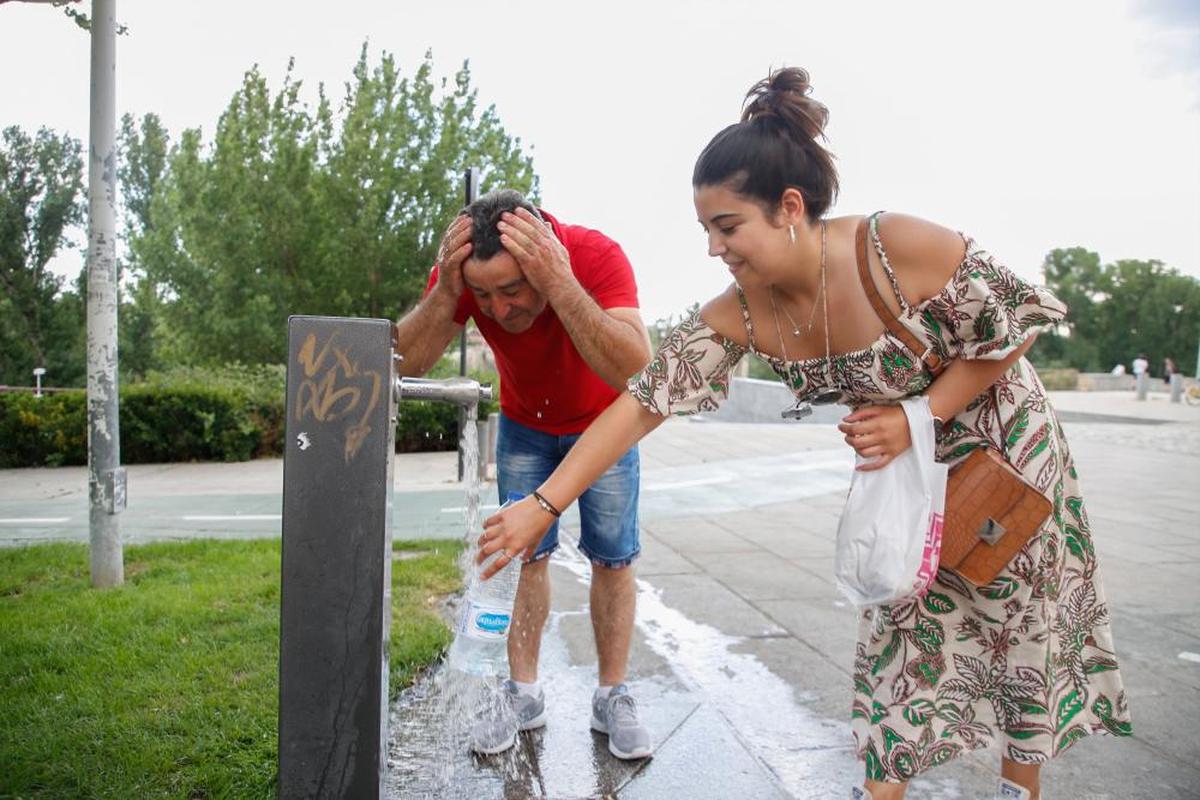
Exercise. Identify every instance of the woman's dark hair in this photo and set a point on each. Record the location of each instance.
(774, 146)
(485, 216)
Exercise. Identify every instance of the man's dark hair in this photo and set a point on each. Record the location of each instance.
(485, 214)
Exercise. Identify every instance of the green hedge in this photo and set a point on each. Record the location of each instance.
(233, 413)
(43, 431)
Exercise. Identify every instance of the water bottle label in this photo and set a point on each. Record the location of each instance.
(485, 622)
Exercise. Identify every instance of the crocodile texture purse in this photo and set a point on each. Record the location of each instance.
(991, 511)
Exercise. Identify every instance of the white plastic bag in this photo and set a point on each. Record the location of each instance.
(890, 534)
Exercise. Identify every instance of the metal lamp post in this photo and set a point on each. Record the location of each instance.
(106, 478)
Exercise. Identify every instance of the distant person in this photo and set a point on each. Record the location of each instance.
(1169, 369)
(558, 305)
(1140, 364)
(1027, 661)
(1119, 369)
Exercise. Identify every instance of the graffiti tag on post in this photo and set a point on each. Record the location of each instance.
(335, 388)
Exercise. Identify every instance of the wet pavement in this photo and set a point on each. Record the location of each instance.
(742, 653)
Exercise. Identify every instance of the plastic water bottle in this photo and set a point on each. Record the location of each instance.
(480, 644)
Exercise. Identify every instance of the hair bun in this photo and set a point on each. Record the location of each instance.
(784, 96)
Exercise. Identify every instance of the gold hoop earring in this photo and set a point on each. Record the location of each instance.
(792, 233)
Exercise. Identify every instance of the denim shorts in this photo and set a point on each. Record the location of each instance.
(608, 510)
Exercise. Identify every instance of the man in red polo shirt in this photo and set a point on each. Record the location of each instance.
(558, 305)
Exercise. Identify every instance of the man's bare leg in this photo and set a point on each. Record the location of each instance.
(530, 610)
(613, 600)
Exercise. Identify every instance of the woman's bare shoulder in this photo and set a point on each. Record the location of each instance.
(723, 314)
(923, 254)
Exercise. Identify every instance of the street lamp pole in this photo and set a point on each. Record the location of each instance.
(470, 192)
(106, 478)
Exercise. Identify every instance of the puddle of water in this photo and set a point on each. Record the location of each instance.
(811, 757)
(430, 724)
(429, 748)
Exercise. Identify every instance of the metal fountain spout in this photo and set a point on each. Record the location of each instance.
(463, 392)
(467, 394)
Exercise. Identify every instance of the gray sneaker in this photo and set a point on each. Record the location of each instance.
(497, 731)
(617, 716)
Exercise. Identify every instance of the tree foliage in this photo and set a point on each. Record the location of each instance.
(1119, 310)
(299, 210)
(140, 170)
(41, 183)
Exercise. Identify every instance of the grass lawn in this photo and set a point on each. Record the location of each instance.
(167, 686)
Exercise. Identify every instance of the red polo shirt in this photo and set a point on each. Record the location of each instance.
(544, 383)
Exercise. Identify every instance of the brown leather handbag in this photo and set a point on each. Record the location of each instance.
(991, 510)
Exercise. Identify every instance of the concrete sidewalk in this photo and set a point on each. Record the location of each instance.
(743, 650)
(742, 654)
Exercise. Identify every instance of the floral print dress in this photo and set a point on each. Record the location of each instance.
(1026, 660)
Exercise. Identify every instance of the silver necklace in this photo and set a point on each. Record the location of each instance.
(796, 330)
(829, 395)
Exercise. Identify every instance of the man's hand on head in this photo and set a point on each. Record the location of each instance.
(452, 252)
(542, 257)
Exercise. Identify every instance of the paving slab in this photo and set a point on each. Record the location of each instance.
(682, 767)
(659, 558)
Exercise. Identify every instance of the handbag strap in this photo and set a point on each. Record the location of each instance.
(999, 421)
(929, 358)
(932, 362)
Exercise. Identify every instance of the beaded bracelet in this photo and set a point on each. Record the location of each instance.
(546, 504)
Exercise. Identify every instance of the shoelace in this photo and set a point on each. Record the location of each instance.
(622, 710)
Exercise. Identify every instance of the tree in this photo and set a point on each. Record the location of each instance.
(1075, 276)
(1118, 311)
(292, 210)
(142, 166)
(41, 183)
(80, 17)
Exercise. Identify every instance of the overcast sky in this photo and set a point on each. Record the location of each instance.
(1030, 125)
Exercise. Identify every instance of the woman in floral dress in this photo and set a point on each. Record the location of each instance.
(1025, 661)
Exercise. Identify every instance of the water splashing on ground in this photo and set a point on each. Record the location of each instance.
(431, 723)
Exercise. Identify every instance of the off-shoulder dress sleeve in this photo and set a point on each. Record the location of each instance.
(986, 311)
(690, 372)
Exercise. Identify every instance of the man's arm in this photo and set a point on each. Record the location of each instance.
(423, 334)
(613, 341)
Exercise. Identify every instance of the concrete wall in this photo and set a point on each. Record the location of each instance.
(753, 400)
(1104, 382)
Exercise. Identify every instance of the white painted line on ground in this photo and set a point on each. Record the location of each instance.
(232, 517)
(32, 520)
(461, 509)
(839, 465)
(1186, 656)
(659, 487)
